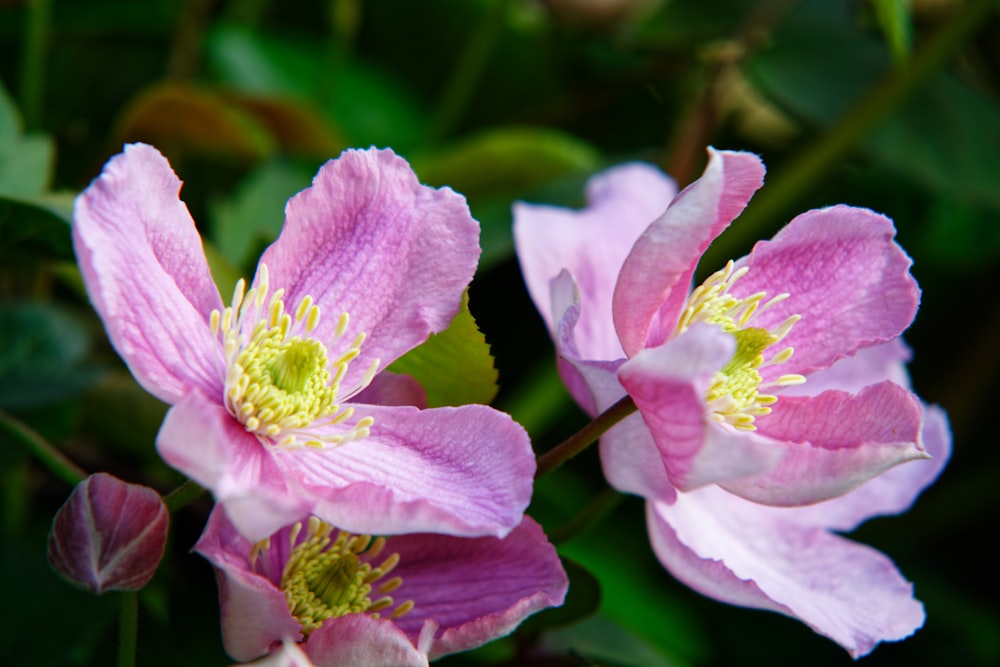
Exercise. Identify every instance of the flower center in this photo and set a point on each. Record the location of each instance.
(327, 577)
(280, 382)
(734, 396)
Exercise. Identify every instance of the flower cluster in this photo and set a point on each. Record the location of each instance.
(769, 396)
(355, 525)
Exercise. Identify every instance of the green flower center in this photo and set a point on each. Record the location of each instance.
(734, 396)
(328, 577)
(280, 382)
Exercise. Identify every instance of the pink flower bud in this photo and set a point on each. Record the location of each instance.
(109, 535)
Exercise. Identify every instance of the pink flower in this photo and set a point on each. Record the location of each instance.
(265, 393)
(776, 384)
(352, 600)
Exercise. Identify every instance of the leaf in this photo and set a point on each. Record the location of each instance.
(25, 161)
(454, 367)
(253, 217)
(893, 18)
(43, 356)
(601, 639)
(180, 116)
(30, 230)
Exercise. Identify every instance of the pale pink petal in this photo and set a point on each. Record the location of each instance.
(109, 535)
(145, 270)
(255, 613)
(867, 366)
(656, 277)
(476, 590)
(844, 275)
(289, 654)
(204, 442)
(668, 385)
(591, 244)
(833, 443)
(389, 388)
(359, 639)
(892, 492)
(747, 554)
(369, 240)
(463, 471)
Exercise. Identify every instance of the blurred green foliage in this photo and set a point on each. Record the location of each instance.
(500, 100)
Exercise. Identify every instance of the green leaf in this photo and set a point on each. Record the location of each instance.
(33, 230)
(601, 639)
(43, 356)
(893, 18)
(25, 161)
(455, 366)
(253, 217)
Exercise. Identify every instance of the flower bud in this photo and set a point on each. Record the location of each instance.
(109, 535)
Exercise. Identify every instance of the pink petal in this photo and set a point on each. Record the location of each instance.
(255, 613)
(844, 275)
(867, 366)
(462, 471)
(668, 385)
(358, 639)
(145, 270)
(369, 240)
(834, 442)
(109, 535)
(591, 245)
(389, 388)
(746, 554)
(476, 589)
(655, 278)
(203, 441)
(892, 492)
(287, 655)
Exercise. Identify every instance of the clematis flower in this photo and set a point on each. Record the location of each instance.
(353, 600)
(772, 399)
(266, 393)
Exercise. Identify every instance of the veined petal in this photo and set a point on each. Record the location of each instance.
(656, 276)
(388, 388)
(834, 442)
(359, 639)
(145, 270)
(462, 471)
(867, 366)
(892, 492)
(254, 611)
(204, 442)
(747, 554)
(478, 589)
(843, 251)
(369, 240)
(591, 244)
(668, 384)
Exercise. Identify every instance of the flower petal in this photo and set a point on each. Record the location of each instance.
(462, 471)
(254, 611)
(476, 589)
(369, 240)
(669, 384)
(359, 639)
(834, 442)
(747, 554)
(204, 442)
(844, 251)
(388, 388)
(591, 244)
(867, 366)
(141, 257)
(646, 304)
(892, 492)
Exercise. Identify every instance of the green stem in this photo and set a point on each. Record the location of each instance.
(128, 628)
(814, 162)
(182, 495)
(468, 70)
(33, 61)
(582, 439)
(42, 449)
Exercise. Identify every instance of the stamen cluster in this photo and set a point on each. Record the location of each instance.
(734, 395)
(279, 379)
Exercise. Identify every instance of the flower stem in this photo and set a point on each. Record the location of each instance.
(33, 61)
(182, 495)
(42, 449)
(582, 439)
(128, 627)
